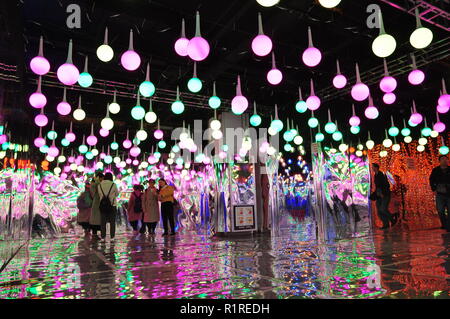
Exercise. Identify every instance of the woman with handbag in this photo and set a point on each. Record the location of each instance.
(151, 215)
(134, 210)
(84, 205)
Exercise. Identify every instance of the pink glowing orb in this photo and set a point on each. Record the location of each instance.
(63, 108)
(4, 138)
(313, 102)
(274, 76)
(67, 169)
(135, 151)
(40, 65)
(360, 92)
(102, 155)
(354, 121)
(41, 120)
(39, 142)
(222, 155)
(439, 127)
(339, 81)
(198, 49)
(239, 104)
(136, 162)
(103, 132)
(152, 159)
(79, 159)
(371, 112)
(53, 151)
(37, 100)
(442, 109)
(416, 77)
(128, 161)
(68, 74)
(311, 56)
(389, 98)
(70, 137)
(91, 140)
(262, 45)
(127, 144)
(71, 159)
(444, 100)
(181, 46)
(388, 84)
(64, 175)
(193, 148)
(158, 134)
(416, 118)
(130, 60)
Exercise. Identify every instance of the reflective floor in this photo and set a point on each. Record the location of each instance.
(394, 264)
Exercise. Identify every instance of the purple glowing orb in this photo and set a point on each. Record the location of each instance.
(371, 112)
(41, 120)
(442, 109)
(388, 84)
(313, 102)
(4, 138)
(135, 151)
(444, 100)
(312, 56)
(130, 60)
(360, 92)
(127, 144)
(103, 132)
(37, 100)
(416, 77)
(239, 104)
(158, 134)
(339, 81)
(198, 49)
(354, 121)
(68, 74)
(274, 76)
(416, 118)
(64, 108)
(53, 151)
(389, 98)
(439, 127)
(262, 45)
(70, 137)
(181, 46)
(40, 65)
(91, 140)
(39, 142)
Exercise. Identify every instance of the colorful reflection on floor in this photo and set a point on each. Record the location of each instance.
(413, 264)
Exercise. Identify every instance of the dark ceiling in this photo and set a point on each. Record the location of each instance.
(229, 26)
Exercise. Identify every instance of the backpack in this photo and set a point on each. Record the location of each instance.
(138, 204)
(105, 204)
(84, 201)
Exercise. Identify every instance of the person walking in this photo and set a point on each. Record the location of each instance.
(383, 192)
(108, 193)
(440, 185)
(151, 209)
(134, 209)
(84, 205)
(94, 219)
(166, 198)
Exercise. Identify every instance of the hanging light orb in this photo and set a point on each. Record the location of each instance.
(41, 120)
(83, 149)
(442, 109)
(389, 98)
(387, 143)
(40, 65)
(127, 144)
(181, 46)
(114, 146)
(68, 74)
(52, 135)
(416, 77)
(406, 131)
(63, 108)
(94, 151)
(61, 159)
(288, 136)
(141, 135)
(162, 144)
(215, 125)
(114, 108)
(444, 100)
(198, 48)
(411, 124)
(420, 148)
(138, 112)
(150, 117)
(360, 92)
(384, 45)
(158, 134)
(426, 131)
(130, 60)
(44, 149)
(287, 147)
(313, 102)
(355, 129)
(339, 81)
(135, 151)
(354, 121)
(370, 144)
(85, 80)
(217, 134)
(312, 56)
(313, 122)
(105, 53)
(298, 140)
(103, 132)
(320, 137)
(371, 112)
(70, 137)
(108, 159)
(343, 148)
(39, 142)
(301, 106)
(89, 155)
(330, 127)
(277, 125)
(393, 131)
(407, 139)
(421, 38)
(37, 100)
(337, 136)
(255, 120)
(329, 3)
(434, 134)
(262, 45)
(383, 153)
(65, 142)
(439, 127)
(107, 124)
(214, 102)
(79, 114)
(272, 131)
(91, 140)
(177, 107)
(267, 3)
(195, 85)
(53, 151)
(274, 76)
(443, 150)
(388, 84)
(147, 89)
(239, 104)
(416, 118)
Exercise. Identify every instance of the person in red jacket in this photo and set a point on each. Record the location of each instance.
(135, 209)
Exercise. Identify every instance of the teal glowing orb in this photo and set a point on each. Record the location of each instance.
(412, 124)
(406, 131)
(330, 127)
(108, 159)
(147, 89)
(301, 107)
(162, 144)
(52, 135)
(195, 85)
(277, 125)
(426, 131)
(320, 137)
(175, 149)
(65, 142)
(5, 146)
(85, 80)
(214, 102)
(114, 146)
(288, 136)
(138, 112)
(443, 150)
(177, 107)
(83, 149)
(157, 154)
(337, 136)
(136, 141)
(89, 155)
(355, 129)
(393, 131)
(255, 120)
(288, 147)
(44, 149)
(313, 122)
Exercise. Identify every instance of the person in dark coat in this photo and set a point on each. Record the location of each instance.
(383, 191)
(440, 185)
